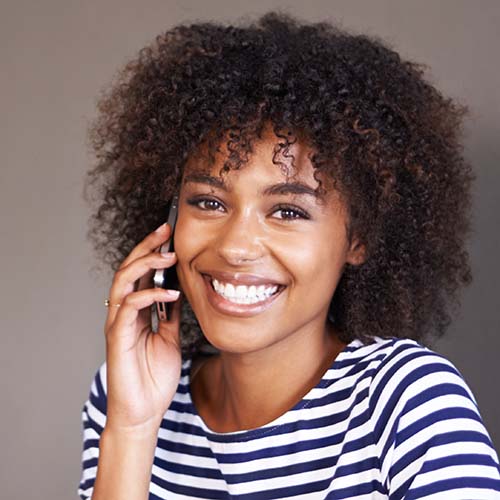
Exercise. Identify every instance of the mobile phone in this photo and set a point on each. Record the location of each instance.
(167, 278)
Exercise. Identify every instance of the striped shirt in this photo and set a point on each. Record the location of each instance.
(388, 420)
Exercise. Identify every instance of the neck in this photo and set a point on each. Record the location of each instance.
(247, 390)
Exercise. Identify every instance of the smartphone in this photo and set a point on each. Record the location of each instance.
(167, 278)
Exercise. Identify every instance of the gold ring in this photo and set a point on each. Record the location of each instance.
(107, 303)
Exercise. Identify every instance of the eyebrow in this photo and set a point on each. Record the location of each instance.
(297, 188)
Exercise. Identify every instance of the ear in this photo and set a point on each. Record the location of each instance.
(356, 254)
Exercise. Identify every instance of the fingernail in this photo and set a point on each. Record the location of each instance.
(167, 255)
(174, 293)
(160, 228)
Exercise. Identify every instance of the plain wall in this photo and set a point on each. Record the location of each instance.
(56, 57)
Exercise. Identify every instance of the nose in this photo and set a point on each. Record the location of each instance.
(240, 240)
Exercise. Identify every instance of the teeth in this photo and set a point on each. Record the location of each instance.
(242, 291)
(243, 294)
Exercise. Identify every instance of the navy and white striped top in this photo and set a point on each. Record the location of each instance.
(389, 420)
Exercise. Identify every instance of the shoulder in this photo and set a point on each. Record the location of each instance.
(98, 387)
(404, 365)
(94, 409)
(426, 424)
(392, 363)
(389, 354)
(412, 379)
(397, 370)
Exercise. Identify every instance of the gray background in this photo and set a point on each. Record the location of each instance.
(56, 56)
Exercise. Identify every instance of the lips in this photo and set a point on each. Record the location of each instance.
(226, 307)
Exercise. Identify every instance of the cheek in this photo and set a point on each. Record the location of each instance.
(317, 263)
(189, 236)
(183, 244)
(187, 246)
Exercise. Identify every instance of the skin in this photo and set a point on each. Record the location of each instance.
(267, 361)
(291, 344)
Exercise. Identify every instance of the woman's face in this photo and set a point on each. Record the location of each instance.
(275, 251)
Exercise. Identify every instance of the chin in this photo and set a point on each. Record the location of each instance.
(238, 344)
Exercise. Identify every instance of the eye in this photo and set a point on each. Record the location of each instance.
(288, 212)
(209, 201)
(291, 213)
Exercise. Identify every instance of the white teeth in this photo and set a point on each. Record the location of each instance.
(241, 291)
(243, 294)
(229, 290)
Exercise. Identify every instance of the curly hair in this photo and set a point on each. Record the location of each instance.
(388, 139)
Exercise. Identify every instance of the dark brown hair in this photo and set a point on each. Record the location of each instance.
(386, 137)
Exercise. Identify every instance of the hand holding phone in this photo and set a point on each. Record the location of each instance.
(140, 393)
(167, 278)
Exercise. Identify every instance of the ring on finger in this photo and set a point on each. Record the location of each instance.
(107, 303)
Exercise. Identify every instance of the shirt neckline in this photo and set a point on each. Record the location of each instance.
(248, 434)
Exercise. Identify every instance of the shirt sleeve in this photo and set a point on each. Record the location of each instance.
(431, 438)
(93, 422)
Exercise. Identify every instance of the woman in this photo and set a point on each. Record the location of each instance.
(323, 210)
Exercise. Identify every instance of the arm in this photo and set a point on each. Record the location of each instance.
(125, 461)
(116, 463)
(134, 388)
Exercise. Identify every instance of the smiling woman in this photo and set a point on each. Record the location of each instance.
(319, 246)
(257, 227)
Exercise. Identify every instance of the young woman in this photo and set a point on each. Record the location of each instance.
(323, 210)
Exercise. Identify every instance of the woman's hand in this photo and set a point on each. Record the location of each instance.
(143, 367)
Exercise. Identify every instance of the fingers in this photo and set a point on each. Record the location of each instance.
(140, 269)
(126, 277)
(135, 272)
(128, 312)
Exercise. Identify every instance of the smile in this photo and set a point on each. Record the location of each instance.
(242, 294)
(240, 300)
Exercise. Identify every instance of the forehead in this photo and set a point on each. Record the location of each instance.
(269, 159)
